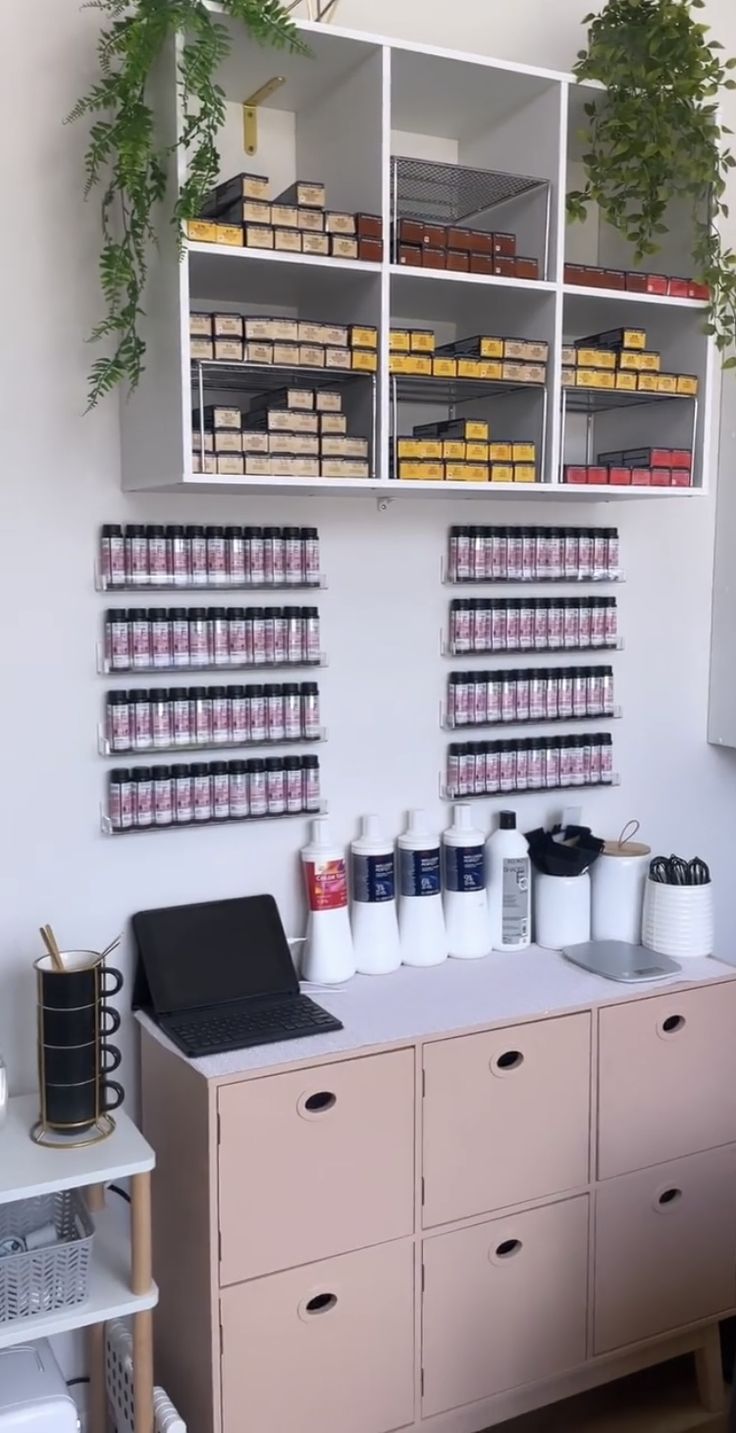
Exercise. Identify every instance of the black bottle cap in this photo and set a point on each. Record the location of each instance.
(177, 614)
(256, 763)
(216, 614)
(119, 775)
(195, 531)
(154, 530)
(116, 699)
(141, 695)
(198, 694)
(214, 532)
(141, 773)
(112, 529)
(291, 532)
(178, 694)
(135, 529)
(275, 763)
(136, 614)
(160, 694)
(215, 692)
(310, 761)
(162, 773)
(309, 689)
(200, 768)
(196, 614)
(182, 771)
(235, 614)
(157, 614)
(255, 691)
(233, 532)
(272, 532)
(218, 768)
(290, 689)
(236, 768)
(236, 692)
(174, 530)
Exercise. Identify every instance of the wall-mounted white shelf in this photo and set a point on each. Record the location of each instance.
(416, 106)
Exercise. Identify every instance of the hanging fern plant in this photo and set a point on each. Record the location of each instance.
(126, 160)
(655, 137)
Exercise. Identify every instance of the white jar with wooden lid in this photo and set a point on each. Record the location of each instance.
(619, 876)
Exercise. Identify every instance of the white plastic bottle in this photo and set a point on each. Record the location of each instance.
(466, 904)
(328, 953)
(421, 917)
(509, 886)
(373, 904)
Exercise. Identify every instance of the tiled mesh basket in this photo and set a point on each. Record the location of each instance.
(45, 1280)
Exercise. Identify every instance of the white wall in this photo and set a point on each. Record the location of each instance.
(383, 611)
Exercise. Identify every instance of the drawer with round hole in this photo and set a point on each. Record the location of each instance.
(315, 1162)
(326, 1348)
(506, 1117)
(665, 1248)
(505, 1303)
(666, 1077)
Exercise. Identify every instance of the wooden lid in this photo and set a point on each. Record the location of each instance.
(626, 848)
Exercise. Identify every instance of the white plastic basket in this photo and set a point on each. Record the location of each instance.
(119, 1374)
(55, 1277)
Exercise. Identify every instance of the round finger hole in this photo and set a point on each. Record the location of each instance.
(321, 1303)
(507, 1249)
(672, 1024)
(318, 1103)
(668, 1198)
(508, 1061)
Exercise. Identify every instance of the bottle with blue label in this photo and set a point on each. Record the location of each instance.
(466, 903)
(373, 905)
(421, 916)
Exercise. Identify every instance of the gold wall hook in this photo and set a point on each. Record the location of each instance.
(250, 111)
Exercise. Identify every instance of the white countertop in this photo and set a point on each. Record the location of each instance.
(416, 1004)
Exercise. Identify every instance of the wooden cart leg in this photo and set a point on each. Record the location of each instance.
(141, 1276)
(143, 1371)
(97, 1410)
(709, 1372)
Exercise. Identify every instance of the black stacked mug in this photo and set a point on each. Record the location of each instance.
(75, 1057)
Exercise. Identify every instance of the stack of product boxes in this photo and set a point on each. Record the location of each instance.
(595, 276)
(638, 468)
(241, 212)
(461, 250)
(295, 432)
(460, 451)
(620, 360)
(289, 342)
(414, 351)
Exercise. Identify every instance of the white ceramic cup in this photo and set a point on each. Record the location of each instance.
(561, 910)
(678, 920)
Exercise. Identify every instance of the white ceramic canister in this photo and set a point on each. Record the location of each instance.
(561, 910)
(618, 879)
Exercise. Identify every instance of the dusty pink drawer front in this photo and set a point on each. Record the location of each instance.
(328, 1348)
(315, 1163)
(667, 1078)
(506, 1117)
(504, 1304)
(665, 1249)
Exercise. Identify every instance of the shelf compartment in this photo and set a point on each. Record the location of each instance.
(599, 400)
(218, 376)
(456, 194)
(453, 391)
(210, 747)
(109, 830)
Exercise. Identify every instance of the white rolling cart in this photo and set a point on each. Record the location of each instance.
(120, 1275)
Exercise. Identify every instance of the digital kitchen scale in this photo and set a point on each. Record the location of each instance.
(617, 960)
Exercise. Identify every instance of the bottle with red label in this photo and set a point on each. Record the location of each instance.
(328, 952)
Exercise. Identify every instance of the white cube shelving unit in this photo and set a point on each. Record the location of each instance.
(342, 116)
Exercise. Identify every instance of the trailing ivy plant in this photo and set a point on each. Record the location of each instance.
(125, 156)
(655, 136)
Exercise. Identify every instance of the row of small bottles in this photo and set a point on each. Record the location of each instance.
(537, 763)
(196, 793)
(529, 694)
(462, 896)
(191, 638)
(533, 554)
(167, 718)
(191, 556)
(532, 624)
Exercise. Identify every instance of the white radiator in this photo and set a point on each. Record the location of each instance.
(119, 1372)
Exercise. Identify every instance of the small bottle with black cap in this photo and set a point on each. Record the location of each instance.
(509, 886)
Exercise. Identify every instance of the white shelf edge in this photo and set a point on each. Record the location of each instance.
(109, 1296)
(272, 256)
(391, 488)
(624, 296)
(498, 281)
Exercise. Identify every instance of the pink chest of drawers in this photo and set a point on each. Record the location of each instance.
(527, 1187)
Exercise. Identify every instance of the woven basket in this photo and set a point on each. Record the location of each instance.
(44, 1280)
